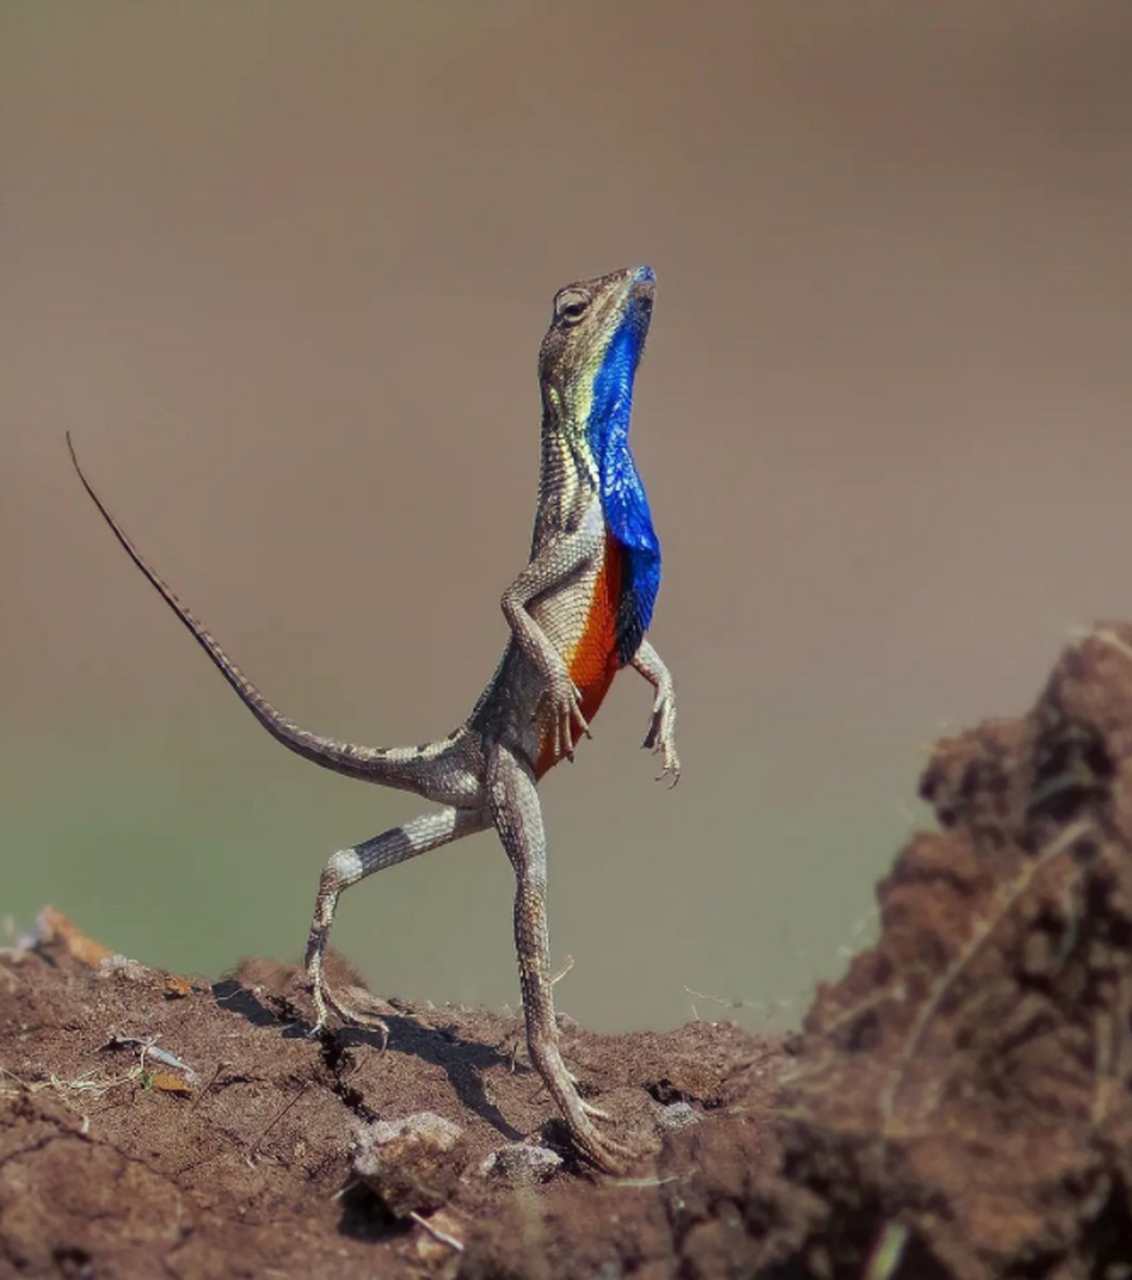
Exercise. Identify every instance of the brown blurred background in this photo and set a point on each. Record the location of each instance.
(283, 270)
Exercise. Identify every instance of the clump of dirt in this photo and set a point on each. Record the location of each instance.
(958, 1107)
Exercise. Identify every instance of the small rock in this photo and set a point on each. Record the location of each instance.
(411, 1165)
(119, 966)
(520, 1164)
(678, 1115)
(167, 1082)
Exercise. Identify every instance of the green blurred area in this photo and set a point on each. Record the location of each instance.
(193, 861)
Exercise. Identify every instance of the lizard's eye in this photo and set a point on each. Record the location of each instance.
(570, 306)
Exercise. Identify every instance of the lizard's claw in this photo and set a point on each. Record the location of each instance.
(603, 1152)
(661, 738)
(569, 725)
(327, 1002)
(596, 1112)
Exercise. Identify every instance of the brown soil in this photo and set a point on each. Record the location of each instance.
(959, 1105)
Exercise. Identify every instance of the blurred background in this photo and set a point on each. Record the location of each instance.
(283, 270)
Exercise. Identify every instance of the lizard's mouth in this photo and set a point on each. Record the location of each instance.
(641, 297)
(639, 312)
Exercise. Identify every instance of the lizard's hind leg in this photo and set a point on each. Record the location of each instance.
(348, 866)
(515, 810)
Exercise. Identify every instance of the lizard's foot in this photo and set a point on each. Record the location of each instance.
(661, 738)
(605, 1153)
(599, 1149)
(327, 1002)
(355, 1017)
(563, 703)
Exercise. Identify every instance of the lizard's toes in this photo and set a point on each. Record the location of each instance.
(604, 1153)
(595, 1146)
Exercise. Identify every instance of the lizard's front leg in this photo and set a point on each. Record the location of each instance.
(515, 810)
(661, 736)
(557, 562)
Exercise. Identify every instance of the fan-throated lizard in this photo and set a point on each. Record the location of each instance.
(578, 613)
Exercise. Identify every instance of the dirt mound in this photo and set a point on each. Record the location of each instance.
(961, 1101)
(958, 1105)
(154, 1125)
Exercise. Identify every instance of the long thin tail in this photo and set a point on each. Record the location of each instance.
(389, 765)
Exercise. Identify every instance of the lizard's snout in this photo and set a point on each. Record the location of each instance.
(641, 294)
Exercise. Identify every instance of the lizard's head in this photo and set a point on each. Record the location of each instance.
(592, 348)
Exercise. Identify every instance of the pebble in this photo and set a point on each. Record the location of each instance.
(520, 1164)
(678, 1115)
(411, 1165)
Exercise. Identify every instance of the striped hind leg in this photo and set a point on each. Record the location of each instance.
(348, 866)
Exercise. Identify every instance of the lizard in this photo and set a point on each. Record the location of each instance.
(578, 612)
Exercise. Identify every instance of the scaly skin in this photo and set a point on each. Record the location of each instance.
(578, 613)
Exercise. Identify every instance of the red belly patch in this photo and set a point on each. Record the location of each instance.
(593, 662)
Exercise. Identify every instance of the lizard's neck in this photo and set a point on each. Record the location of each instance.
(586, 407)
(568, 484)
